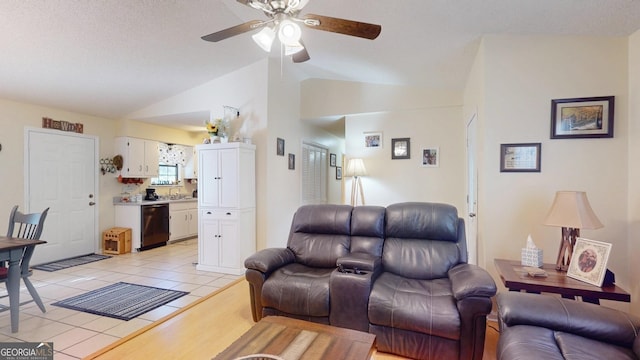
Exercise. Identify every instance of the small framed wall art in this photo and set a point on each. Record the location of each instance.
(523, 157)
(431, 157)
(373, 139)
(280, 147)
(338, 172)
(292, 162)
(332, 160)
(401, 148)
(577, 118)
(589, 261)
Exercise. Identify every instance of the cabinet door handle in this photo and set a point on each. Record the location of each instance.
(228, 213)
(208, 212)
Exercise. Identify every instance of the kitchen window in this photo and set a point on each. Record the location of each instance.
(167, 175)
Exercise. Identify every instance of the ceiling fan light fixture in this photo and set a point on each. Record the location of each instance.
(264, 38)
(292, 49)
(289, 33)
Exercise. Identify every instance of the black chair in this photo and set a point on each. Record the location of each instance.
(25, 226)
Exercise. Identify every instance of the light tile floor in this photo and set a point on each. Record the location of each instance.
(77, 334)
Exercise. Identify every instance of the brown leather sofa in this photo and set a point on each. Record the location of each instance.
(399, 272)
(536, 327)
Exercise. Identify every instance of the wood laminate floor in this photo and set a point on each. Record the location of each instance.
(205, 328)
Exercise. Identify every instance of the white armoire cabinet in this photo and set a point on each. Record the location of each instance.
(226, 206)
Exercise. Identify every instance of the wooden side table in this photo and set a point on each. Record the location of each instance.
(515, 278)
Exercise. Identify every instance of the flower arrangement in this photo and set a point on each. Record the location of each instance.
(217, 127)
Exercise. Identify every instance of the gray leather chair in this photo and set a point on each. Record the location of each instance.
(294, 281)
(428, 303)
(534, 326)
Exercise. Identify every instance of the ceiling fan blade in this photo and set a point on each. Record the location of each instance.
(343, 26)
(234, 30)
(302, 55)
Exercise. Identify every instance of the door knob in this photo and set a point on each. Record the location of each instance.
(91, 203)
(472, 214)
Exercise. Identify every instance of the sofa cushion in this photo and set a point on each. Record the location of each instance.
(367, 230)
(425, 306)
(298, 289)
(418, 258)
(320, 234)
(431, 221)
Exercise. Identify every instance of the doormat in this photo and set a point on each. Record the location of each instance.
(67, 263)
(121, 300)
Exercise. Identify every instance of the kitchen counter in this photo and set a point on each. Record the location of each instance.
(116, 201)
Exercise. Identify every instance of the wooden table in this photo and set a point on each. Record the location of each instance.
(294, 339)
(11, 250)
(515, 278)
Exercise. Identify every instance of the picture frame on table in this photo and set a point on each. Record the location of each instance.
(338, 172)
(579, 118)
(431, 157)
(589, 261)
(401, 148)
(332, 160)
(373, 139)
(522, 157)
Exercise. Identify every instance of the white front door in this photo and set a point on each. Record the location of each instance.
(60, 173)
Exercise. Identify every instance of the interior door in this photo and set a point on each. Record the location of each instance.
(472, 191)
(60, 173)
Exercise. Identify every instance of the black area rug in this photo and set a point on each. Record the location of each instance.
(121, 300)
(67, 263)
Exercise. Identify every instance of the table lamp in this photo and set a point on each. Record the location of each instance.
(356, 169)
(571, 211)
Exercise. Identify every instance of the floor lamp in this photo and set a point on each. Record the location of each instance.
(571, 211)
(356, 169)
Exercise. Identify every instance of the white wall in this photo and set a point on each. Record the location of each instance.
(634, 169)
(521, 76)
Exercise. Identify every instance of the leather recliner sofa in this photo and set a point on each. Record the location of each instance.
(534, 326)
(399, 272)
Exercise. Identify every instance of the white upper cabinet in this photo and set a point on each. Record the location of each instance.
(140, 157)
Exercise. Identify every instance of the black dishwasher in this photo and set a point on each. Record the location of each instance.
(155, 226)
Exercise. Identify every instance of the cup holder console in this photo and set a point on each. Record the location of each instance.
(351, 271)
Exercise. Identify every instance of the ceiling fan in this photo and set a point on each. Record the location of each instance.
(284, 19)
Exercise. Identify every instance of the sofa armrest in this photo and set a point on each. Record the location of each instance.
(579, 318)
(267, 260)
(360, 261)
(468, 280)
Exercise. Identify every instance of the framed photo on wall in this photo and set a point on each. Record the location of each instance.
(589, 261)
(292, 162)
(401, 148)
(431, 157)
(338, 172)
(373, 139)
(280, 147)
(332, 160)
(523, 157)
(577, 118)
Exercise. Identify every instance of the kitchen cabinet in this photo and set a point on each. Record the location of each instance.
(191, 165)
(226, 206)
(183, 220)
(140, 157)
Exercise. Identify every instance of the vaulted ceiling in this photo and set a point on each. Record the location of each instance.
(112, 57)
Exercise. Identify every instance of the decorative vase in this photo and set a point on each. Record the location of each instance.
(224, 139)
(214, 138)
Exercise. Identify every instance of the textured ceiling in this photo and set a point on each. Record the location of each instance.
(112, 57)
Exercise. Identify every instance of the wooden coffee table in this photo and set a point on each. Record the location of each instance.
(294, 339)
(515, 278)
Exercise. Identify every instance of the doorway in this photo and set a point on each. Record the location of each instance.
(61, 174)
(472, 191)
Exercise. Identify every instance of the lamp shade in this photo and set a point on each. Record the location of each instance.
(355, 167)
(265, 38)
(571, 209)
